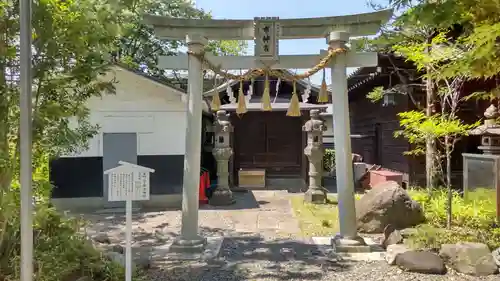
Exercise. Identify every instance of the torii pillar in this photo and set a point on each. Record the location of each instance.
(190, 239)
(342, 140)
(266, 32)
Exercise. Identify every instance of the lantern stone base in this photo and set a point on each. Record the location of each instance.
(222, 197)
(315, 196)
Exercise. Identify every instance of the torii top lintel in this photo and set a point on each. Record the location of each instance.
(215, 29)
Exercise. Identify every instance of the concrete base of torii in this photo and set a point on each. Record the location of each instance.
(207, 250)
(350, 245)
(371, 251)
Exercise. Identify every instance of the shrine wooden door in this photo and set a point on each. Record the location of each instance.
(270, 141)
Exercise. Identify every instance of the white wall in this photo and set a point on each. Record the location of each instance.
(155, 112)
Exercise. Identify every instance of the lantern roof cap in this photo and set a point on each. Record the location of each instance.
(490, 126)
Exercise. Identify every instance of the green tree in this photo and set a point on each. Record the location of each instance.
(477, 39)
(479, 42)
(459, 43)
(71, 43)
(415, 24)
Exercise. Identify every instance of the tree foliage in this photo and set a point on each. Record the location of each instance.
(416, 126)
(446, 40)
(74, 44)
(450, 42)
(71, 42)
(71, 45)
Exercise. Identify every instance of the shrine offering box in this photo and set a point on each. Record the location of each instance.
(254, 178)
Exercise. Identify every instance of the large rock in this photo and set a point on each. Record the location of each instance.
(421, 262)
(393, 251)
(387, 203)
(391, 236)
(469, 258)
(496, 256)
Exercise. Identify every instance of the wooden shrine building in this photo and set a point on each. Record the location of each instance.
(269, 140)
(373, 123)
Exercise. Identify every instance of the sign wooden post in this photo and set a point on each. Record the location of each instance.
(128, 182)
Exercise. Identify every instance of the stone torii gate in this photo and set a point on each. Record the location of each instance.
(267, 32)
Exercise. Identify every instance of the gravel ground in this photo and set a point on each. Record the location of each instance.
(261, 243)
(257, 259)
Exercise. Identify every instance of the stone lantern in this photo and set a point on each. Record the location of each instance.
(481, 172)
(222, 152)
(489, 132)
(314, 152)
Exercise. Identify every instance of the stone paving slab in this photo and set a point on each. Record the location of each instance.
(272, 218)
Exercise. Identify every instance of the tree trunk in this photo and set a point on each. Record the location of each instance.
(429, 142)
(449, 211)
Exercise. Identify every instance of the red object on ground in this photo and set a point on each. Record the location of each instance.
(207, 180)
(381, 176)
(203, 187)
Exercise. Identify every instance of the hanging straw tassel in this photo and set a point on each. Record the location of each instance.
(266, 96)
(323, 92)
(215, 104)
(294, 108)
(242, 106)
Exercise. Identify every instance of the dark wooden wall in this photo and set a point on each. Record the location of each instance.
(385, 149)
(373, 126)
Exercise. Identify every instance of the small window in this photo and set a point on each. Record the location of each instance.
(221, 139)
(316, 139)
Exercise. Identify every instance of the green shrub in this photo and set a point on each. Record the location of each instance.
(61, 251)
(329, 160)
(478, 210)
(474, 218)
